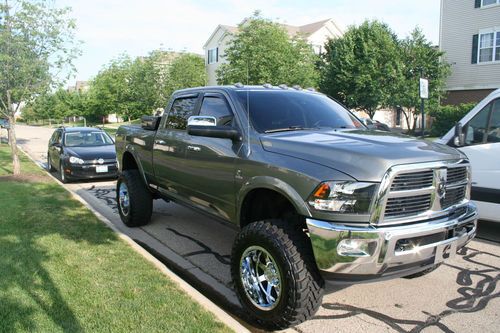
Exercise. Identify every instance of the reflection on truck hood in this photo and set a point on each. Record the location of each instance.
(364, 155)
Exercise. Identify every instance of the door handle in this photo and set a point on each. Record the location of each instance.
(193, 148)
(159, 142)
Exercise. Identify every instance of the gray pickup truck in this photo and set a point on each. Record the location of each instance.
(316, 195)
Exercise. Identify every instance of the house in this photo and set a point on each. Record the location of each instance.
(470, 37)
(316, 33)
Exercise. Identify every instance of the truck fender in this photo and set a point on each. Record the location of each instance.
(130, 149)
(277, 185)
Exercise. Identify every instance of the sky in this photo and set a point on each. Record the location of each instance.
(109, 28)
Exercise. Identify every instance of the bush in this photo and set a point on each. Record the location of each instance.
(446, 116)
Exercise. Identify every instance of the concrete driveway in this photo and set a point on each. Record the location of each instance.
(461, 296)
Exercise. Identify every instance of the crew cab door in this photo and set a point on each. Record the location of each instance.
(169, 148)
(482, 147)
(210, 163)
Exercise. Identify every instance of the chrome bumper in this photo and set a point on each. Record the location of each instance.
(386, 251)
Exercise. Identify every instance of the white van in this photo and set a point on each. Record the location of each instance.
(478, 136)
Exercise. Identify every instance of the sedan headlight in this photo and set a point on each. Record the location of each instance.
(343, 197)
(75, 160)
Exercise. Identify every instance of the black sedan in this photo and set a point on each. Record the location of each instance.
(81, 153)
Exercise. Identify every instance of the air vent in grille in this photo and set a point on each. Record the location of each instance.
(452, 197)
(456, 175)
(411, 181)
(399, 207)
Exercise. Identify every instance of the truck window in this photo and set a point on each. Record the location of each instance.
(494, 128)
(270, 110)
(181, 110)
(476, 129)
(217, 107)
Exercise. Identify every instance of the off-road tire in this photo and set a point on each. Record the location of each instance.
(302, 290)
(141, 199)
(422, 273)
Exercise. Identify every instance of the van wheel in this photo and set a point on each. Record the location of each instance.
(135, 202)
(276, 278)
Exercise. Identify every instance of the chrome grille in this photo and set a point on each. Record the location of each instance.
(412, 193)
(456, 175)
(406, 206)
(414, 180)
(453, 196)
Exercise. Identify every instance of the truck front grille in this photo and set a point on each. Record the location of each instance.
(425, 192)
(410, 181)
(407, 206)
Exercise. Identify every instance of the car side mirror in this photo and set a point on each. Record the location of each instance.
(207, 126)
(459, 139)
(150, 123)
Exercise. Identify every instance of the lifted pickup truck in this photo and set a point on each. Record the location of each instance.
(317, 196)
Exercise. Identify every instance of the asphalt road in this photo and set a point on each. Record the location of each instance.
(461, 296)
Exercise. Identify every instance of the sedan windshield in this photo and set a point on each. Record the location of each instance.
(286, 110)
(87, 139)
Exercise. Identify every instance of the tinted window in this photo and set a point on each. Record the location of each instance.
(494, 128)
(476, 128)
(282, 109)
(87, 139)
(181, 110)
(218, 108)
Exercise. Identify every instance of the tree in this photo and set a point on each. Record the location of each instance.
(419, 57)
(262, 52)
(36, 42)
(360, 68)
(186, 71)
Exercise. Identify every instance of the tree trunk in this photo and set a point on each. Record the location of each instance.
(16, 165)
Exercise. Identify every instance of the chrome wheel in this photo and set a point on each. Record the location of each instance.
(61, 170)
(261, 278)
(124, 199)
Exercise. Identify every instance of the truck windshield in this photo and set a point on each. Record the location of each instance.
(286, 110)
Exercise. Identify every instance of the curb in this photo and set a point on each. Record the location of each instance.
(205, 303)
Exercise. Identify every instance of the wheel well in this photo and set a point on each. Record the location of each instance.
(260, 204)
(129, 162)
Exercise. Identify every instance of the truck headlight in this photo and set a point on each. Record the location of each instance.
(75, 160)
(343, 197)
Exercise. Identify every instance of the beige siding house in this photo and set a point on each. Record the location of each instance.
(470, 37)
(316, 33)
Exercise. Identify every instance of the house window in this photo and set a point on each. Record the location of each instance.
(213, 55)
(489, 47)
(489, 2)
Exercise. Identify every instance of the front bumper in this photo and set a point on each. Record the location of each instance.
(88, 171)
(389, 251)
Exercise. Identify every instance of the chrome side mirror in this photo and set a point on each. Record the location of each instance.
(202, 121)
(459, 138)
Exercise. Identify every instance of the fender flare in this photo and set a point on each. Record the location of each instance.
(276, 185)
(130, 149)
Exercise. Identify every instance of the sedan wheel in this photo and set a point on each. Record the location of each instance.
(62, 174)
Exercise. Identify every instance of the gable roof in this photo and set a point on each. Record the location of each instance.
(292, 30)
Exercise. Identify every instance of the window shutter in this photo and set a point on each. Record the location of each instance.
(477, 4)
(475, 44)
(216, 54)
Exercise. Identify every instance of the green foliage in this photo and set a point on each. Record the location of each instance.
(360, 68)
(186, 71)
(262, 52)
(446, 116)
(419, 57)
(36, 40)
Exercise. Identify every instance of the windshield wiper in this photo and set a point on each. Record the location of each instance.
(290, 128)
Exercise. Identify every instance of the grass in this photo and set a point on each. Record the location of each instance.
(62, 270)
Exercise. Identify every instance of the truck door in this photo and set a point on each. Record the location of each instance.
(482, 146)
(169, 148)
(210, 164)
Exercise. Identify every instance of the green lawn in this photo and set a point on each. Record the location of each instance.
(62, 270)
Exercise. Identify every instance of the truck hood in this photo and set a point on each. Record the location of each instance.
(363, 155)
